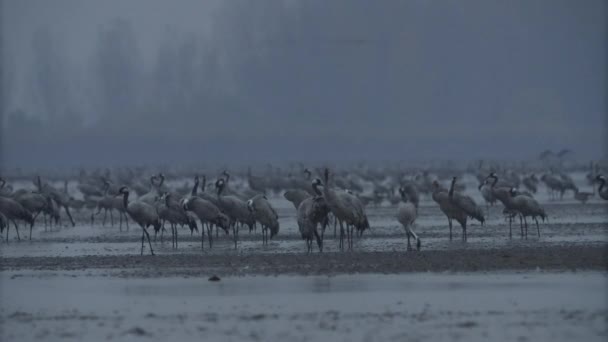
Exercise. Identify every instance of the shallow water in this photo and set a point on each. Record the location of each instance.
(568, 223)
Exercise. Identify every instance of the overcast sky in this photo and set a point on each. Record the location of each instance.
(344, 79)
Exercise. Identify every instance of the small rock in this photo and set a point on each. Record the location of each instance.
(214, 278)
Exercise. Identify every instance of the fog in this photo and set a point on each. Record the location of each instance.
(125, 82)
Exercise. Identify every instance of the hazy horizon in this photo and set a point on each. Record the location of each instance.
(127, 82)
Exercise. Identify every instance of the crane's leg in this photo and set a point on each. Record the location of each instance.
(348, 235)
(526, 225)
(537, 227)
(105, 215)
(120, 218)
(111, 218)
(202, 235)
(521, 226)
(335, 225)
(17, 229)
(233, 233)
(149, 243)
(510, 232)
(8, 226)
(319, 239)
(409, 246)
(341, 236)
(142, 239)
(450, 223)
(175, 236)
(67, 211)
(31, 226)
(209, 233)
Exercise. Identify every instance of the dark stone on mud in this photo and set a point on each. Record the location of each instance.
(214, 278)
(137, 331)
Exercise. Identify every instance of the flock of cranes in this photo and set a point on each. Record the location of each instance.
(318, 201)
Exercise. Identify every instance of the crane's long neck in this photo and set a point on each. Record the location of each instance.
(602, 183)
(195, 187)
(39, 184)
(315, 188)
(495, 180)
(326, 190)
(204, 183)
(125, 199)
(403, 196)
(451, 192)
(152, 185)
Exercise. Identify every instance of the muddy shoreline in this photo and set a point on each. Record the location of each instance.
(564, 257)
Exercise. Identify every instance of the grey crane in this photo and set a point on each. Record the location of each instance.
(257, 184)
(208, 213)
(106, 203)
(3, 222)
(61, 198)
(362, 223)
(37, 203)
(311, 212)
(265, 214)
(296, 196)
(486, 193)
(13, 211)
(171, 211)
(603, 192)
(504, 196)
(406, 215)
(235, 208)
(441, 196)
(527, 206)
(5, 190)
(153, 194)
(554, 185)
(143, 214)
(343, 207)
(467, 205)
(206, 195)
(118, 205)
(411, 190)
(531, 183)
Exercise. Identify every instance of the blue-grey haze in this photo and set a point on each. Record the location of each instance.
(114, 82)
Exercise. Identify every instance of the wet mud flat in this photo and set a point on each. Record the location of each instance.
(585, 256)
(522, 306)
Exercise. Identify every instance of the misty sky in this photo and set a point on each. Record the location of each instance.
(316, 79)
